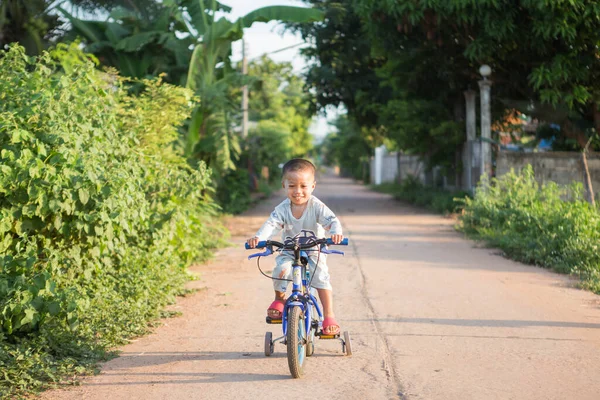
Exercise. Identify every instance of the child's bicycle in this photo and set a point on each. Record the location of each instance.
(302, 319)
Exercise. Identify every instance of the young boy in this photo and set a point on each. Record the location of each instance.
(301, 210)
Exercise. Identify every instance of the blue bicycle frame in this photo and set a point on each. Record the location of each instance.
(301, 295)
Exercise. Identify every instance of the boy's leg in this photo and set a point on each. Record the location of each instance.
(282, 270)
(323, 286)
(326, 297)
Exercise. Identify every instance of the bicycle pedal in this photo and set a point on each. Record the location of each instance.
(273, 321)
(323, 336)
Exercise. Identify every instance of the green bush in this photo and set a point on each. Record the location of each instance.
(233, 191)
(269, 146)
(414, 192)
(99, 214)
(545, 225)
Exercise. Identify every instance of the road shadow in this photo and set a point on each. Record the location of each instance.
(202, 377)
(144, 359)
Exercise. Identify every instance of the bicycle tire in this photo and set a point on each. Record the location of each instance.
(296, 342)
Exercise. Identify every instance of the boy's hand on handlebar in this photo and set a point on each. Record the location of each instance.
(252, 242)
(337, 239)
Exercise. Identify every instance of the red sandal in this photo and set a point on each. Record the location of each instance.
(329, 323)
(277, 305)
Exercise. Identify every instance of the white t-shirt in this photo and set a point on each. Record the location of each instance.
(317, 217)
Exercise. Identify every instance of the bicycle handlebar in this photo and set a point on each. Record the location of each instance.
(264, 243)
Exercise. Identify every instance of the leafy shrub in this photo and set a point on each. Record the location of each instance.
(99, 214)
(546, 225)
(269, 146)
(267, 188)
(350, 148)
(414, 192)
(233, 191)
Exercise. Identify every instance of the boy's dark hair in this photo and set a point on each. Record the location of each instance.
(298, 164)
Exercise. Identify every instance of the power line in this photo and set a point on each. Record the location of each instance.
(279, 50)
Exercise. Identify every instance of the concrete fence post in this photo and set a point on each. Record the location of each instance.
(471, 122)
(486, 127)
(379, 153)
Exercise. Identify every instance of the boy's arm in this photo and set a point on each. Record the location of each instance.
(329, 221)
(272, 226)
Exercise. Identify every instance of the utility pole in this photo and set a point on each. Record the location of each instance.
(244, 91)
(486, 121)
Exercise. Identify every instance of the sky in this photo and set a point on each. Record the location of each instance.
(264, 38)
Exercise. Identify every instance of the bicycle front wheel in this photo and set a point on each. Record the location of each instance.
(296, 341)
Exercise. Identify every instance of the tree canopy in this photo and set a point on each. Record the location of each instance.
(278, 96)
(403, 66)
(542, 53)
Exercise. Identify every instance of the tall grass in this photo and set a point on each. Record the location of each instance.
(547, 225)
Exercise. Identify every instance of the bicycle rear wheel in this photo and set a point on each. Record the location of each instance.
(296, 341)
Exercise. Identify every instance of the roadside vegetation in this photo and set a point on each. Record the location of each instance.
(100, 215)
(546, 225)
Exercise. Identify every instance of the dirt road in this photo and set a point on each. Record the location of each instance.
(432, 316)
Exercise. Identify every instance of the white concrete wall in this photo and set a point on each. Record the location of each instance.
(395, 167)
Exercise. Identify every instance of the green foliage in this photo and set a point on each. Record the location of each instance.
(141, 39)
(279, 111)
(278, 96)
(211, 75)
(100, 215)
(443, 43)
(423, 127)
(403, 65)
(545, 225)
(382, 87)
(267, 188)
(139, 6)
(350, 147)
(343, 70)
(29, 23)
(190, 42)
(233, 192)
(269, 146)
(435, 199)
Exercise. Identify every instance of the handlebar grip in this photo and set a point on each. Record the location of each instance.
(260, 245)
(344, 242)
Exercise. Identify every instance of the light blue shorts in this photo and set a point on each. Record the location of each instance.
(283, 270)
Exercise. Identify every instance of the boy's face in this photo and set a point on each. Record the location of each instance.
(299, 186)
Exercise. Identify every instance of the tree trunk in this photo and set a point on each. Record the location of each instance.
(587, 179)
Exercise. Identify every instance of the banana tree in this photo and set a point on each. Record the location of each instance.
(211, 75)
(148, 38)
(140, 40)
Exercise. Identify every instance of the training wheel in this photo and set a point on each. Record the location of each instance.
(347, 344)
(269, 345)
(310, 347)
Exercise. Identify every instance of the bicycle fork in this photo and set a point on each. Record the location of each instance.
(305, 301)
